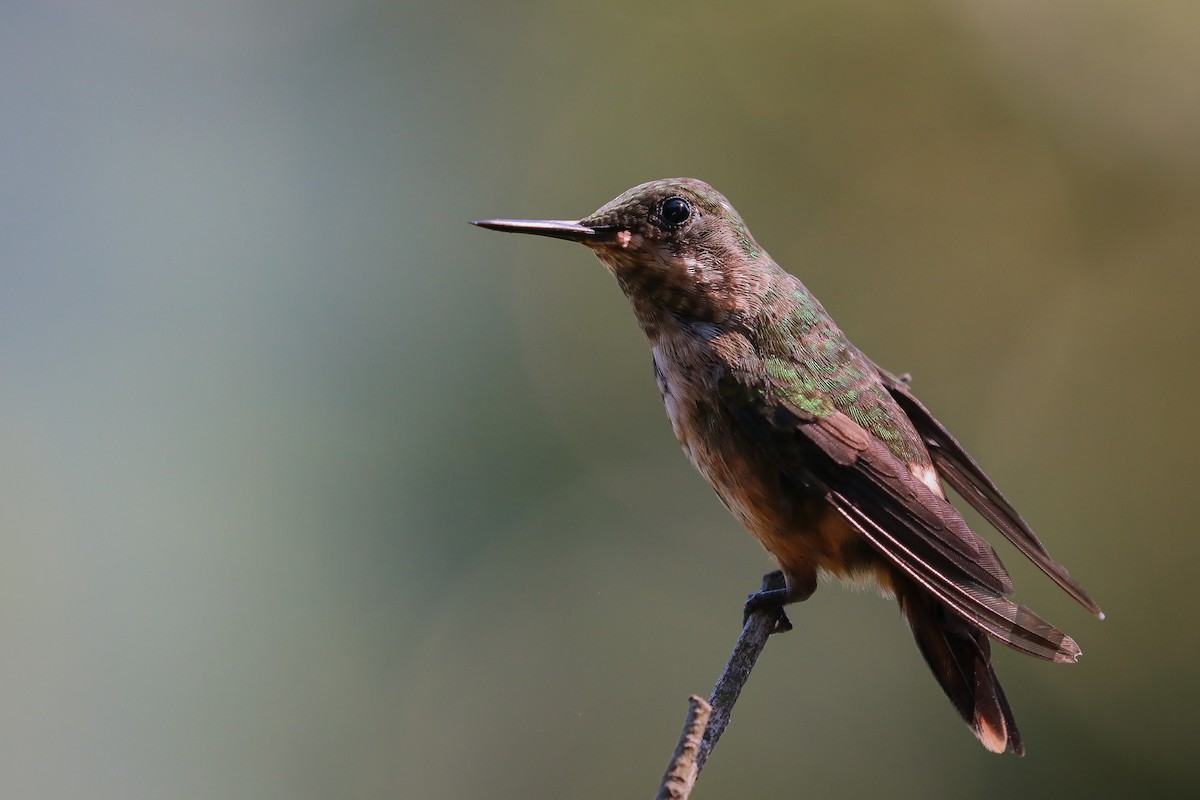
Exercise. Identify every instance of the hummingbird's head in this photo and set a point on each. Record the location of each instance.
(668, 222)
(676, 246)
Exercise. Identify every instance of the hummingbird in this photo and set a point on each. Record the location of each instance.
(829, 461)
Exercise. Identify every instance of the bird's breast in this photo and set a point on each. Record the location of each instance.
(798, 528)
(748, 484)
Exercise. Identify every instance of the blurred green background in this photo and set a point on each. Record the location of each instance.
(310, 490)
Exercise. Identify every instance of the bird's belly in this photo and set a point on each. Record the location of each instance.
(802, 532)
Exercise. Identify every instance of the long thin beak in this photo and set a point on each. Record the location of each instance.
(556, 228)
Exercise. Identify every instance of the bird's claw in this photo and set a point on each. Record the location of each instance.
(770, 600)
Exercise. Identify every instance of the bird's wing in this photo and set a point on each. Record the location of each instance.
(920, 533)
(959, 470)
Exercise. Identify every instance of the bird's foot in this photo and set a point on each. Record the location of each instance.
(770, 598)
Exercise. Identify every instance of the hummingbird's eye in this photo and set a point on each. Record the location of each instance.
(676, 211)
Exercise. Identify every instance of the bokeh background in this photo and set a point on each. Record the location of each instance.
(310, 490)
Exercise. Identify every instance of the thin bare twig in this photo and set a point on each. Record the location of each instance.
(750, 644)
(690, 754)
(682, 771)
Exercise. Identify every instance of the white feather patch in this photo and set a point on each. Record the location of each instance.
(928, 476)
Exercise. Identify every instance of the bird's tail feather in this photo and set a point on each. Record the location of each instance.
(960, 658)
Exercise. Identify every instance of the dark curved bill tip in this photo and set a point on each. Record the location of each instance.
(557, 228)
